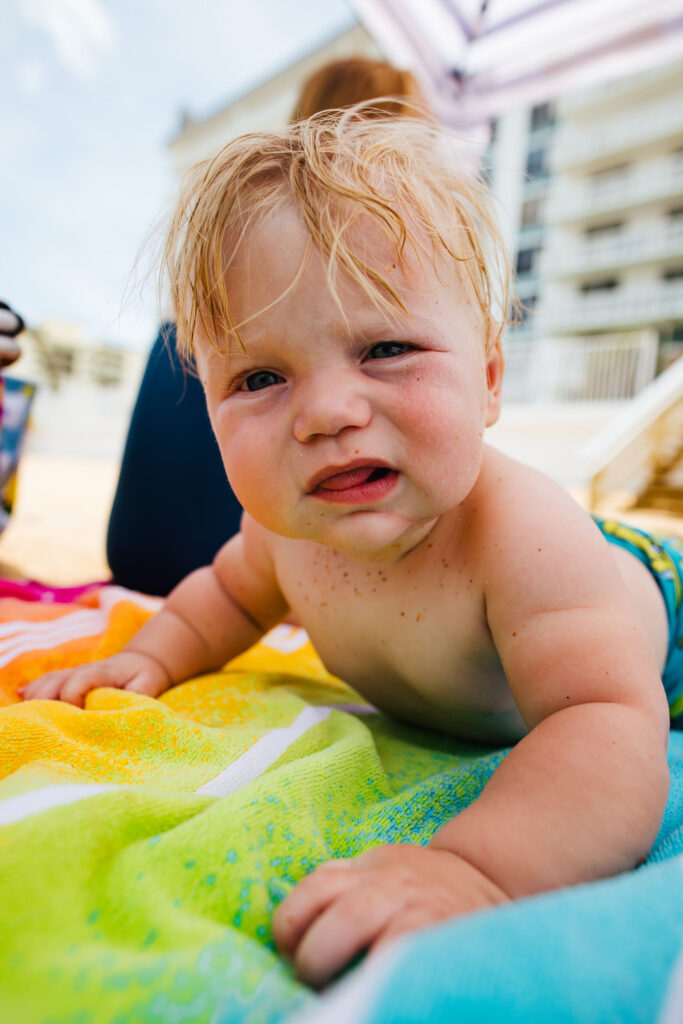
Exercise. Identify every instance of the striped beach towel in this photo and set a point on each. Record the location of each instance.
(144, 845)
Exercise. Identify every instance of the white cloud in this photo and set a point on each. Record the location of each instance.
(80, 30)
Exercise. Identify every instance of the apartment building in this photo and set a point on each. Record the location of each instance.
(85, 390)
(599, 210)
(57, 353)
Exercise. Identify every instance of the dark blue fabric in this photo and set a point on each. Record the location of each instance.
(173, 506)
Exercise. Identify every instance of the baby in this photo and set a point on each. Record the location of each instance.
(341, 288)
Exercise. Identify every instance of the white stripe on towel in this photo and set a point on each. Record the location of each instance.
(264, 752)
(16, 808)
(21, 637)
(55, 636)
(19, 627)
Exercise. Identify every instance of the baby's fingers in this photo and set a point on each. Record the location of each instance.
(150, 684)
(308, 900)
(75, 687)
(70, 685)
(345, 929)
(411, 920)
(45, 688)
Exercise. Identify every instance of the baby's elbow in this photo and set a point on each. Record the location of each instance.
(651, 745)
(652, 706)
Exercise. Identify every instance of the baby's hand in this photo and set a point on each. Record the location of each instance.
(126, 671)
(345, 907)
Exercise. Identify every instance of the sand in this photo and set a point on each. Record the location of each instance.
(58, 526)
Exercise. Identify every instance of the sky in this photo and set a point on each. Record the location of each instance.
(90, 93)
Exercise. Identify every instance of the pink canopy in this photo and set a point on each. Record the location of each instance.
(477, 58)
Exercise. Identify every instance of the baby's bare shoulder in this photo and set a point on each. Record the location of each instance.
(513, 496)
(536, 539)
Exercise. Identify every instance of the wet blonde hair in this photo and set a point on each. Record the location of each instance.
(335, 169)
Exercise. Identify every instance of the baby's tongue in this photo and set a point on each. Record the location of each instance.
(349, 478)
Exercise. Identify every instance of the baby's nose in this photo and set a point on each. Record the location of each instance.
(327, 408)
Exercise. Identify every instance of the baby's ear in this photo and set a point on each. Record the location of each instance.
(495, 364)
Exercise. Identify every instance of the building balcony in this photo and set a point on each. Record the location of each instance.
(637, 186)
(635, 132)
(630, 307)
(583, 369)
(614, 251)
(623, 90)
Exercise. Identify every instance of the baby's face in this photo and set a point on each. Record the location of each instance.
(356, 432)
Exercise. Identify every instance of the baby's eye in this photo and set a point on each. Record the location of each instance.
(387, 349)
(260, 380)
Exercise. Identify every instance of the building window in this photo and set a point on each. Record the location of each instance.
(106, 366)
(532, 213)
(526, 260)
(536, 163)
(542, 115)
(604, 231)
(608, 178)
(61, 360)
(606, 285)
(526, 309)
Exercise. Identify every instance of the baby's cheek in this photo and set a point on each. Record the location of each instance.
(439, 422)
(446, 443)
(262, 492)
(251, 486)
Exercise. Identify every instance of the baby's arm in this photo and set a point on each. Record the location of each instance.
(582, 795)
(213, 615)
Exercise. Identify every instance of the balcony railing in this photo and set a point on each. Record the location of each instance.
(619, 249)
(641, 126)
(637, 185)
(641, 305)
(579, 369)
(621, 89)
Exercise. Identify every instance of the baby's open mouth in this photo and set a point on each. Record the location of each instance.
(365, 484)
(353, 478)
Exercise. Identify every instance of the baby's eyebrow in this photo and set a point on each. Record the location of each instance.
(236, 347)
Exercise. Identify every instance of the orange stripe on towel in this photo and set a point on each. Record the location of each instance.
(36, 638)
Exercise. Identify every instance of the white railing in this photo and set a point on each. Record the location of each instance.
(620, 88)
(618, 249)
(645, 436)
(643, 183)
(608, 368)
(635, 305)
(642, 124)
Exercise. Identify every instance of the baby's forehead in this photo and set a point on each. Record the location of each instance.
(276, 267)
(282, 250)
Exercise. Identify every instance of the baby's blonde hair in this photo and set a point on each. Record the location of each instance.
(335, 168)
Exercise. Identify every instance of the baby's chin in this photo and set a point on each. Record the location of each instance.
(370, 536)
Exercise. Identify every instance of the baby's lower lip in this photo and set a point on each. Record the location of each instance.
(348, 489)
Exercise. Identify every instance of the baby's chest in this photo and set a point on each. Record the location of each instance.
(415, 644)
